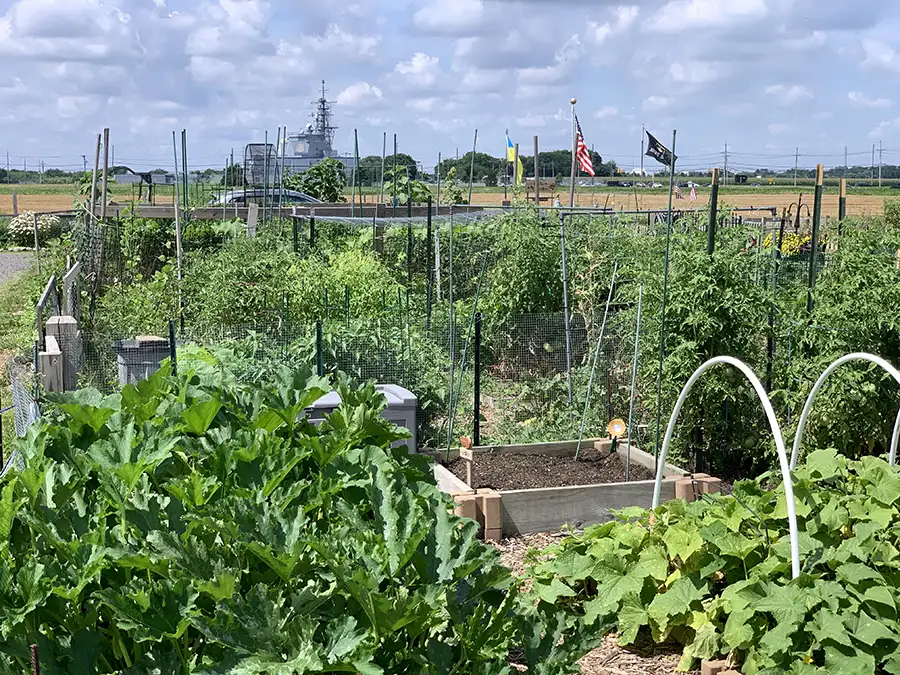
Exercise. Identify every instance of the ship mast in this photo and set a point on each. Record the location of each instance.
(323, 124)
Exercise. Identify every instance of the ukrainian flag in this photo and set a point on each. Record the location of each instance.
(511, 157)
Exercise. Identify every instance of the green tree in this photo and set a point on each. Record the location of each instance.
(325, 180)
(234, 175)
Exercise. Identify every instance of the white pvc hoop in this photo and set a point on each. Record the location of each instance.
(776, 432)
(807, 408)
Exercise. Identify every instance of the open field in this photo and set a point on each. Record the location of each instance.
(860, 202)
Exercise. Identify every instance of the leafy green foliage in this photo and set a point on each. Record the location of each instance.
(856, 309)
(325, 180)
(399, 182)
(201, 525)
(715, 574)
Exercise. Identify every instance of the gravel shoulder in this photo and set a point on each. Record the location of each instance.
(11, 264)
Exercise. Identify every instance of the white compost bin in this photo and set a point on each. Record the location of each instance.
(401, 410)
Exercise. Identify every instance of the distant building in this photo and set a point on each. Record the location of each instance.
(299, 151)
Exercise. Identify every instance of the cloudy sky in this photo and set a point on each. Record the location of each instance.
(763, 76)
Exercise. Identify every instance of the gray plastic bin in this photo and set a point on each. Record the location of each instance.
(401, 410)
(138, 359)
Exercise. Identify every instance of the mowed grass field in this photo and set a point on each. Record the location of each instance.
(861, 202)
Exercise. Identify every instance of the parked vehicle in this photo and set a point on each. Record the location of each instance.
(261, 195)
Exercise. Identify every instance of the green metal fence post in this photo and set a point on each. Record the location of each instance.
(842, 206)
(814, 243)
(429, 281)
(320, 357)
(312, 231)
(476, 430)
(713, 213)
(173, 357)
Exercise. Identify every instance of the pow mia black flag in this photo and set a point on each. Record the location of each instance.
(658, 151)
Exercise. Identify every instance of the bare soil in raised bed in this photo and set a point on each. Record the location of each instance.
(609, 658)
(503, 471)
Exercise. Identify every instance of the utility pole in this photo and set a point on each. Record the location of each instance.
(7, 167)
(846, 165)
(872, 169)
(726, 164)
(84, 160)
(796, 160)
(880, 150)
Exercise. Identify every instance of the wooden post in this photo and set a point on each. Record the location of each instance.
(814, 251)
(50, 365)
(93, 196)
(468, 456)
(252, 219)
(516, 165)
(15, 203)
(713, 213)
(64, 329)
(70, 290)
(105, 173)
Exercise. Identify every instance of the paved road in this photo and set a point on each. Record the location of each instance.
(13, 263)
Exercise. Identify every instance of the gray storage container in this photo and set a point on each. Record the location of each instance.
(138, 359)
(401, 410)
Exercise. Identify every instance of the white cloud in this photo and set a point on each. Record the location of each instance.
(680, 15)
(606, 111)
(478, 79)
(566, 60)
(337, 41)
(693, 72)
(450, 16)
(860, 99)
(360, 94)
(420, 71)
(656, 102)
(624, 17)
(882, 127)
(788, 94)
(880, 55)
(778, 128)
(532, 121)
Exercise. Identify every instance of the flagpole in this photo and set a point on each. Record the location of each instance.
(642, 151)
(662, 327)
(574, 160)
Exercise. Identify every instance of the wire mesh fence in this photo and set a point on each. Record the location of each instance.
(415, 326)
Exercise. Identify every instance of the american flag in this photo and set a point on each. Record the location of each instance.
(693, 193)
(677, 193)
(581, 151)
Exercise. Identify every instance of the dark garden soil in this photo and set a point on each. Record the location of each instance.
(523, 472)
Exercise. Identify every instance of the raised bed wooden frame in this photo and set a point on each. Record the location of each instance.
(509, 513)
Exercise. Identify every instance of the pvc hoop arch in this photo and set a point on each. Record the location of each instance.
(776, 432)
(807, 407)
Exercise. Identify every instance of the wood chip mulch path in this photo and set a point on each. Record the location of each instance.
(610, 658)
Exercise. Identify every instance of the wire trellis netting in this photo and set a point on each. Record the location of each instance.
(395, 300)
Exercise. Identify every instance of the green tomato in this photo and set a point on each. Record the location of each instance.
(749, 442)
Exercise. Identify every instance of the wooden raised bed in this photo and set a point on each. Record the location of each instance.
(510, 513)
